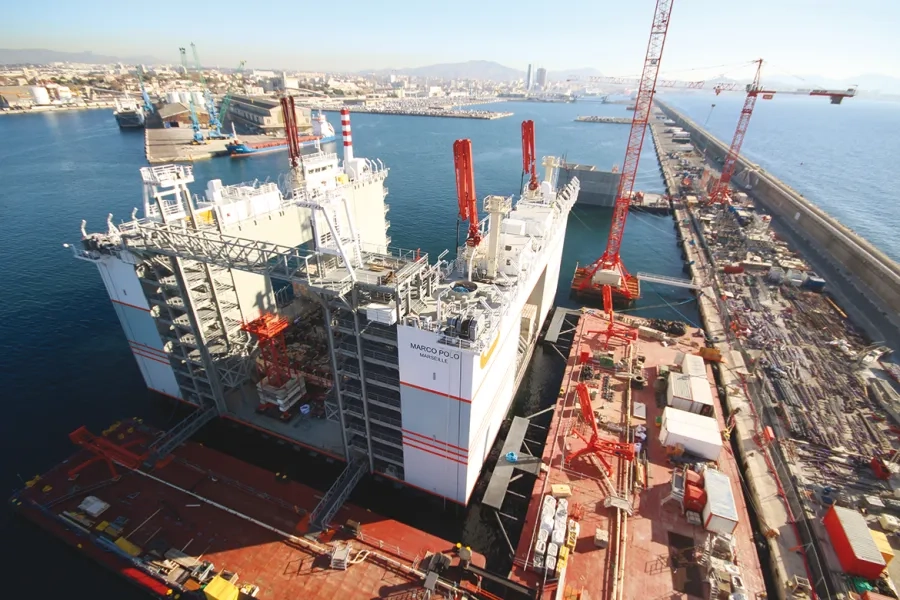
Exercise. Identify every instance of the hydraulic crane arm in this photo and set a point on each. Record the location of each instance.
(465, 189)
(528, 155)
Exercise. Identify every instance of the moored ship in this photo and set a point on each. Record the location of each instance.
(128, 113)
(322, 132)
(423, 357)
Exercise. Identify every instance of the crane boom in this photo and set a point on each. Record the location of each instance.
(611, 260)
(721, 192)
(528, 156)
(465, 189)
(226, 102)
(195, 122)
(215, 124)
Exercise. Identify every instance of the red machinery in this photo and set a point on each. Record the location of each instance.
(611, 260)
(105, 450)
(614, 330)
(465, 189)
(269, 332)
(528, 156)
(595, 444)
(290, 130)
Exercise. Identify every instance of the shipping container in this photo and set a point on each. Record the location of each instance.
(688, 393)
(697, 434)
(720, 513)
(693, 365)
(853, 543)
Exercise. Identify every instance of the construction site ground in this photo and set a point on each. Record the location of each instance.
(660, 554)
(793, 362)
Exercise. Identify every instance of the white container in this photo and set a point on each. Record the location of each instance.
(172, 97)
(720, 513)
(543, 535)
(697, 434)
(199, 100)
(381, 313)
(552, 550)
(689, 393)
(540, 547)
(562, 505)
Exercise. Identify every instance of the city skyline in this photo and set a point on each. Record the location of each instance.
(826, 38)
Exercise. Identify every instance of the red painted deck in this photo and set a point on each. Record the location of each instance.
(175, 507)
(647, 554)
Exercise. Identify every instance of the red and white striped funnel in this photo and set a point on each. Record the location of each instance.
(345, 132)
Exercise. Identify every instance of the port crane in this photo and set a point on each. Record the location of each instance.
(195, 122)
(215, 124)
(148, 106)
(721, 193)
(226, 101)
(609, 270)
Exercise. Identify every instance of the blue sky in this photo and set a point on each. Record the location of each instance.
(834, 38)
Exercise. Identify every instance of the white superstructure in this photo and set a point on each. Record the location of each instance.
(425, 356)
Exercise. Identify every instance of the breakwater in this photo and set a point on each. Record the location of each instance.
(852, 258)
(596, 119)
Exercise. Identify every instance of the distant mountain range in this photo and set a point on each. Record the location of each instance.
(473, 69)
(480, 69)
(42, 56)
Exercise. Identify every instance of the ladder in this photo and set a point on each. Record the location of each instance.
(179, 434)
(337, 494)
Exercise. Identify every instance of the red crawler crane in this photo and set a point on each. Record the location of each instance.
(269, 332)
(628, 285)
(465, 189)
(528, 156)
(596, 445)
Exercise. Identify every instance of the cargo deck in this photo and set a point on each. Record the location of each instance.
(660, 555)
(248, 526)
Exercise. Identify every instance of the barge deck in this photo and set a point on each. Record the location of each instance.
(654, 552)
(182, 525)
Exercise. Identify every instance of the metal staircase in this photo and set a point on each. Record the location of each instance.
(179, 434)
(337, 494)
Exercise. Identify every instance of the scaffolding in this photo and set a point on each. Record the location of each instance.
(185, 262)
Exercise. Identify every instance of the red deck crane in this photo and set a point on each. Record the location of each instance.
(269, 332)
(290, 130)
(465, 189)
(528, 156)
(595, 444)
(627, 285)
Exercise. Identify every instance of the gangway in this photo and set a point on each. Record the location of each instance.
(337, 494)
(179, 434)
(666, 280)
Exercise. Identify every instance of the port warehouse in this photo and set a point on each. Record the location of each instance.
(879, 274)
